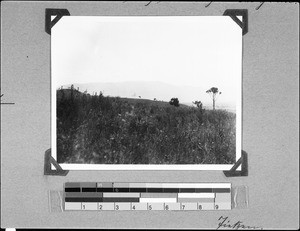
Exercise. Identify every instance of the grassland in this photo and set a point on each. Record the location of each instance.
(112, 130)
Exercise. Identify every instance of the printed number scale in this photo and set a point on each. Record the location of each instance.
(147, 196)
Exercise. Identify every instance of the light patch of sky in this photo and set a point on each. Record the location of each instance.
(204, 51)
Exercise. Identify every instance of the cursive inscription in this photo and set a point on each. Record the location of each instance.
(1, 99)
(207, 5)
(227, 224)
(256, 8)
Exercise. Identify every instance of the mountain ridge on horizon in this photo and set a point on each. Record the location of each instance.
(158, 90)
(131, 81)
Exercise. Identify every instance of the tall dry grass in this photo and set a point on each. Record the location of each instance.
(113, 130)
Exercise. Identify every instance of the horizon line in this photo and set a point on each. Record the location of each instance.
(129, 81)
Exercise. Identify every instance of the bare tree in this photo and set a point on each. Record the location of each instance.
(214, 93)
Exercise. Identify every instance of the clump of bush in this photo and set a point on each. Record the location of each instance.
(174, 102)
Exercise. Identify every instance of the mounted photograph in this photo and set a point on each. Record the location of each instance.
(146, 92)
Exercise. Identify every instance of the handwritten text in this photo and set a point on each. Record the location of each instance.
(226, 223)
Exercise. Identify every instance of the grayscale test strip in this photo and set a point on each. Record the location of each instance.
(107, 196)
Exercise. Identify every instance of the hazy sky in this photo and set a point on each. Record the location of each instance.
(204, 51)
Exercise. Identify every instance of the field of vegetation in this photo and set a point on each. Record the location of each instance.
(97, 129)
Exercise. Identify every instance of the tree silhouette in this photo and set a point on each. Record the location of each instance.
(198, 104)
(72, 92)
(175, 102)
(214, 93)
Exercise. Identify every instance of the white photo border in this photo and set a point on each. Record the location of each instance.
(133, 167)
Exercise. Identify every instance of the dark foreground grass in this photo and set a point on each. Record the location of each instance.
(113, 130)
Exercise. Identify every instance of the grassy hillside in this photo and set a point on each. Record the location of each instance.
(113, 130)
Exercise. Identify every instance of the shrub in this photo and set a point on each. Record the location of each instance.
(174, 102)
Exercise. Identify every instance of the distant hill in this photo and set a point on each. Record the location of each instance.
(146, 90)
(161, 91)
(132, 101)
(113, 130)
